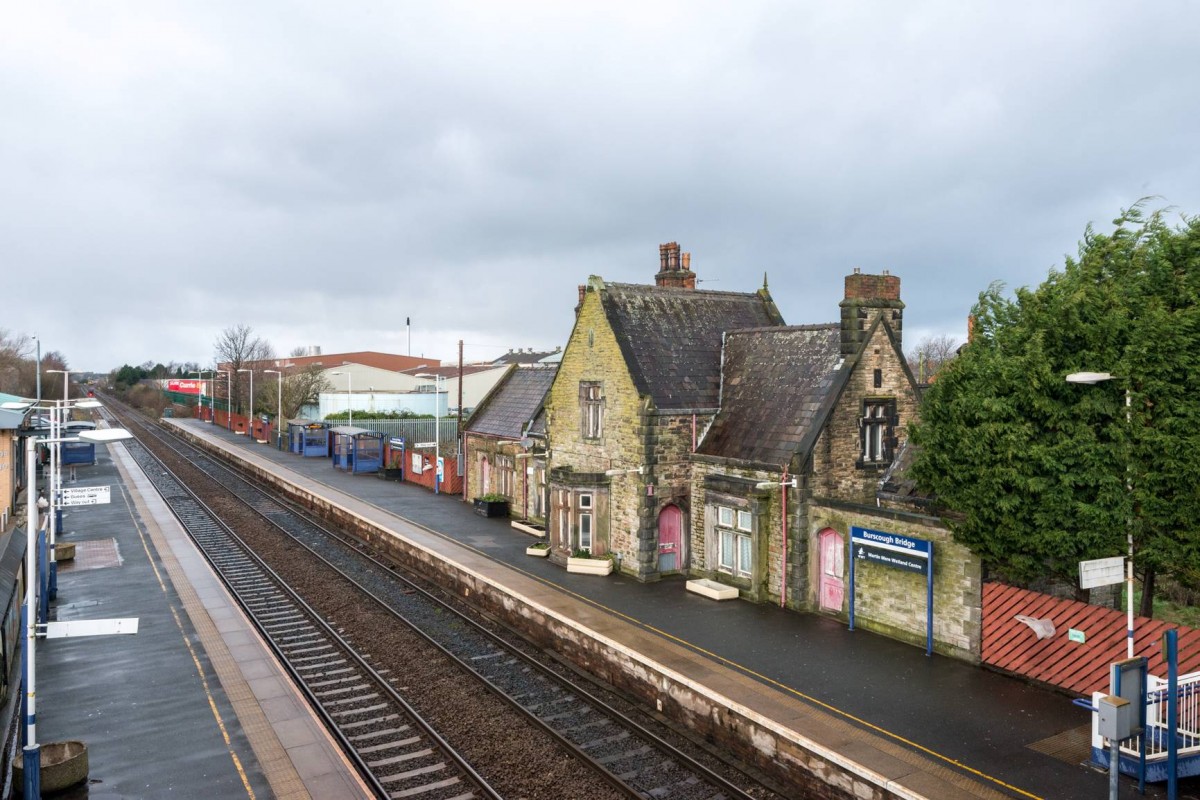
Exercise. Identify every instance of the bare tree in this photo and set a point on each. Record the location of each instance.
(301, 387)
(15, 350)
(52, 382)
(238, 347)
(930, 355)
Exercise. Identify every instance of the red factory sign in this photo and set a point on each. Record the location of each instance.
(187, 387)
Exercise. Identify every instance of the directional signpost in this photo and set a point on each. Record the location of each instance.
(87, 496)
(898, 552)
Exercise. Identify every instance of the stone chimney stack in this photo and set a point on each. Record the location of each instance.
(675, 268)
(869, 296)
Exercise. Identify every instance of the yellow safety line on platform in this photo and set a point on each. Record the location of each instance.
(695, 648)
(237, 762)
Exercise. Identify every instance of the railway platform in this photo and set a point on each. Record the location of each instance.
(922, 727)
(193, 704)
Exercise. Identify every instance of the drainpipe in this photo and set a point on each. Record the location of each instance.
(466, 476)
(525, 466)
(783, 568)
(693, 433)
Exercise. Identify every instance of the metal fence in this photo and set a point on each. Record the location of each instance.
(411, 431)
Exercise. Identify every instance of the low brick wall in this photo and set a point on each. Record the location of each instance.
(815, 772)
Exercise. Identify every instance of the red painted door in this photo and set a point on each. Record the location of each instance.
(833, 562)
(670, 536)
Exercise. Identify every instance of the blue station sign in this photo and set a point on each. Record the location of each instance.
(890, 550)
(899, 552)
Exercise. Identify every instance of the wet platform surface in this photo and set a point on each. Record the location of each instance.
(1011, 738)
(192, 705)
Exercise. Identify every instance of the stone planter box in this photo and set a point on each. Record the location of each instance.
(712, 589)
(590, 566)
(491, 508)
(64, 551)
(537, 552)
(531, 528)
(64, 764)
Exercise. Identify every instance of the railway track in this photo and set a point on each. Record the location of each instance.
(632, 759)
(396, 751)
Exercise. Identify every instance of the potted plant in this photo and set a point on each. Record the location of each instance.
(538, 549)
(491, 505)
(584, 563)
(394, 471)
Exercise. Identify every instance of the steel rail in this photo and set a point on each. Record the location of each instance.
(723, 786)
(222, 570)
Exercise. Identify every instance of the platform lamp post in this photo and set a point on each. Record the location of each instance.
(1091, 379)
(228, 373)
(349, 391)
(250, 415)
(31, 753)
(58, 419)
(200, 374)
(437, 428)
(278, 409)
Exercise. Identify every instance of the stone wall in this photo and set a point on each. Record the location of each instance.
(716, 484)
(837, 471)
(891, 601)
(634, 435)
(593, 354)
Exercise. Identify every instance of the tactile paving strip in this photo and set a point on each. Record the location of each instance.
(93, 554)
(1074, 746)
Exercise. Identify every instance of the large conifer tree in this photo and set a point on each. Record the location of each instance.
(1036, 474)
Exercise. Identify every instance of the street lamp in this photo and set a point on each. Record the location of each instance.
(228, 373)
(278, 409)
(437, 428)
(1091, 379)
(200, 374)
(349, 390)
(31, 754)
(59, 409)
(58, 419)
(250, 416)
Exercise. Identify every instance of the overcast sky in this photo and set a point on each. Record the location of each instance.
(321, 171)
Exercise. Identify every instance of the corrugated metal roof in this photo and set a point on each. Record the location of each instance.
(671, 337)
(775, 382)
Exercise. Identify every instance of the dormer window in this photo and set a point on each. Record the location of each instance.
(877, 427)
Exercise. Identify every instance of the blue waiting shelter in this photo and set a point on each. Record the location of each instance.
(308, 438)
(357, 449)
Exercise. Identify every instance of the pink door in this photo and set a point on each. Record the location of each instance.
(833, 561)
(670, 530)
(485, 478)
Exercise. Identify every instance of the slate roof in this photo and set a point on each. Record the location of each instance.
(776, 383)
(671, 337)
(517, 399)
(523, 357)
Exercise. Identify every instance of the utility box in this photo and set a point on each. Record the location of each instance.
(1116, 718)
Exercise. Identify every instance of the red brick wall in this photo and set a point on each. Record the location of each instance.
(451, 481)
